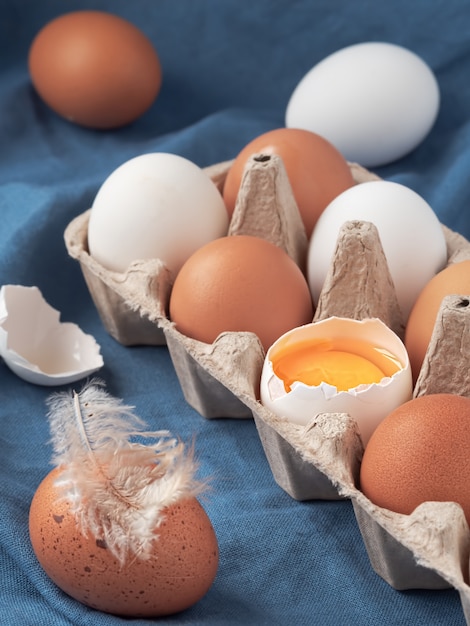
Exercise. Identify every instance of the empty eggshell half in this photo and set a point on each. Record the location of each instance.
(39, 348)
(367, 403)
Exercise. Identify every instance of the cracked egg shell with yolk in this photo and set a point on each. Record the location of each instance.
(337, 365)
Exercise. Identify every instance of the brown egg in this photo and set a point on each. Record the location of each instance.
(420, 452)
(240, 283)
(179, 572)
(95, 69)
(453, 280)
(316, 170)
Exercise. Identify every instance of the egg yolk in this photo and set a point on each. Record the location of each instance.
(343, 363)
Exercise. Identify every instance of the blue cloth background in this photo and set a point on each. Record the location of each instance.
(229, 68)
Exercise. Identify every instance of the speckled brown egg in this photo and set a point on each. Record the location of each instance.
(95, 69)
(420, 452)
(240, 283)
(179, 572)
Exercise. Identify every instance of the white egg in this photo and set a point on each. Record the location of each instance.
(411, 235)
(156, 205)
(374, 101)
(368, 403)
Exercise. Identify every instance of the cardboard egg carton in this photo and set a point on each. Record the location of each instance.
(428, 549)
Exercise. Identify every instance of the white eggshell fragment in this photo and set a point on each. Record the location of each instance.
(366, 404)
(374, 101)
(155, 206)
(36, 346)
(411, 235)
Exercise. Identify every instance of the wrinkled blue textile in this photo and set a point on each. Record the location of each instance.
(229, 68)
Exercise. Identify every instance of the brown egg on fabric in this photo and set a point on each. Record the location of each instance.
(420, 452)
(95, 69)
(316, 170)
(240, 283)
(453, 280)
(178, 572)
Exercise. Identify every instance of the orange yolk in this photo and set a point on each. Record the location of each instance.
(344, 364)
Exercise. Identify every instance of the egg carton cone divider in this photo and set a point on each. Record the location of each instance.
(446, 366)
(266, 208)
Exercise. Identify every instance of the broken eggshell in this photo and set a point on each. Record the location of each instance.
(39, 348)
(368, 404)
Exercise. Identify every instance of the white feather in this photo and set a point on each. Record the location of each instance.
(118, 477)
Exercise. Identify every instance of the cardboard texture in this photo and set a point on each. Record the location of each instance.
(266, 208)
(129, 304)
(429, 548)
(358, 273)
(450, 338)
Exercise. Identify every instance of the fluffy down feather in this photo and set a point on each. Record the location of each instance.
(118, 476)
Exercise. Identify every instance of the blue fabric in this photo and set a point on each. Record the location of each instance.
(229, 69)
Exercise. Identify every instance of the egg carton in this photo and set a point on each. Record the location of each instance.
(428, 549)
